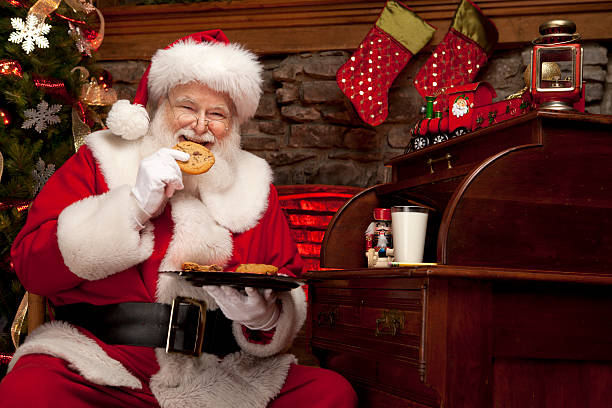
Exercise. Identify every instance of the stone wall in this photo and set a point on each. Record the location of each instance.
(309, 133)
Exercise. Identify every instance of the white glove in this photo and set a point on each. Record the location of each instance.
(255, 310)
(159, 176)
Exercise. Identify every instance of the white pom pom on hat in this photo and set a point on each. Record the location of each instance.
(128, 121)
(206, 57)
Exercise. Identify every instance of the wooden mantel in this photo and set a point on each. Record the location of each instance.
(293, 26)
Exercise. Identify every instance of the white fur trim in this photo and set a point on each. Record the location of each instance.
(293, 315)
(170, 285)
(225, 68)
(118, 159)
(98, 235)
(238, 380)
(239, 207)
(197, 237)
(60, 339)
(127, 120)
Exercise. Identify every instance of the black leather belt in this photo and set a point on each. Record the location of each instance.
(185, 327)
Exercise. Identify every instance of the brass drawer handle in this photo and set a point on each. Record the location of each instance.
(327, 318)
(390, 322)
(446, 157)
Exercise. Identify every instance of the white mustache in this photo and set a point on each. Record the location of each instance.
(190, 134)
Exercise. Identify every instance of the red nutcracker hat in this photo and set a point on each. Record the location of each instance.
(206, 57)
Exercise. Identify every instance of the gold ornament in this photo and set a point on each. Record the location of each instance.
(79, 129)
(94, 94)
(20, 317)
(42, 8)
(551, 71)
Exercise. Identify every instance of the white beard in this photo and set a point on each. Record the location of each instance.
(220, 176)
(459, 111)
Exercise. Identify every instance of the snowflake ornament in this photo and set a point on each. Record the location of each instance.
(41, 174)
(87, 6)
(42, 116)
(29, 33)
(79, 40)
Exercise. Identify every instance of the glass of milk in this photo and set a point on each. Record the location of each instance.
(409, 225)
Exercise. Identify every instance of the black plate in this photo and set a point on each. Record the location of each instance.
(241, 280)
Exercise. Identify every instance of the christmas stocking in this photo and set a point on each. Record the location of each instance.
(458, 58)
(366, 77)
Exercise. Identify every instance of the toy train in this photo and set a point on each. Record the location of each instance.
(470, 107)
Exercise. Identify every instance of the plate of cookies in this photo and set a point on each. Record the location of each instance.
(253, 275)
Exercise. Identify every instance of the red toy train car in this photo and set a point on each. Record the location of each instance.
(470, 107)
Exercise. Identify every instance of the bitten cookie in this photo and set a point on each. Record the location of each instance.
(200, 158)
(262, 269)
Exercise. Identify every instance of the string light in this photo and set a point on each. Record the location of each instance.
(23, 208)
(4, 117)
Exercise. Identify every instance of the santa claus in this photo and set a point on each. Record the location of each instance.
(117, 215)
(460, 106)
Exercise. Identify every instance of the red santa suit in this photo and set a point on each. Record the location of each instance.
(81, 244)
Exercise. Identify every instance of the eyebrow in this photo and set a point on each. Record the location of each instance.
(183, 99)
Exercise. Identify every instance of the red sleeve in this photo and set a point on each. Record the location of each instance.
(35, 252)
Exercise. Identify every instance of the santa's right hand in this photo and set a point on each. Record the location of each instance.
(159, 176)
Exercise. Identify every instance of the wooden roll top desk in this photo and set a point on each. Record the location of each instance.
(518, 310)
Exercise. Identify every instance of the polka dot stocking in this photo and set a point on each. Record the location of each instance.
(366, 77)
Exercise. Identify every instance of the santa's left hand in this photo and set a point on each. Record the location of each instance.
(255, 310)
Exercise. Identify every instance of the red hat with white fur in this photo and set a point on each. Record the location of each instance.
(206, 57)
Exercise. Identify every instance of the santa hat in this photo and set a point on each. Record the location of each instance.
(206, 57)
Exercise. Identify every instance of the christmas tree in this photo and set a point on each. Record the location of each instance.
(51, 95)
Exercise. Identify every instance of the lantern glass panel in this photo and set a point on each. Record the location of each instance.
(556, 69)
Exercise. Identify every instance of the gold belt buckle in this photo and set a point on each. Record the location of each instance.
(173, 326)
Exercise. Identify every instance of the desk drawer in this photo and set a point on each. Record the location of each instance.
(374, 322)
(372, 332)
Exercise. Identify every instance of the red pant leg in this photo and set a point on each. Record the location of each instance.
(314, 387)
(42, 381)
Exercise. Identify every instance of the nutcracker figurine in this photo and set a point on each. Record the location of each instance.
(379, 239)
